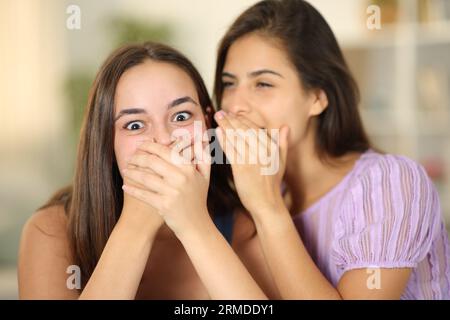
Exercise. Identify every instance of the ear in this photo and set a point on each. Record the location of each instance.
(320, 102)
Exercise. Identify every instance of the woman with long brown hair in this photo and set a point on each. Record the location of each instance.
(354, 223)
(157, 239)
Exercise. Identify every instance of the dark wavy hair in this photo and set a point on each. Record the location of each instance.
(313, 50)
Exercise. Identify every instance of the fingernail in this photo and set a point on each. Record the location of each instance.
(220, 115)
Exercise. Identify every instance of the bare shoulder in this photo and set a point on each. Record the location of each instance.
(50, 221)
(46, 229)
(44, 256)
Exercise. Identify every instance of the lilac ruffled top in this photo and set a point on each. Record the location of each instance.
(385, 213)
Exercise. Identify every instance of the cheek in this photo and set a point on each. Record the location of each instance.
(224, 103)
(297, 122)
(277, 112)
(196, 128)
(124, 149)
(288, 112)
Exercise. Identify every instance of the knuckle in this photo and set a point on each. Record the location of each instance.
(183, 179)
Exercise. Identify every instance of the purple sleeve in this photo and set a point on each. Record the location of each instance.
(389, 217)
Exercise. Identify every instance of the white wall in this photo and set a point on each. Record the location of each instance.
(198, 25)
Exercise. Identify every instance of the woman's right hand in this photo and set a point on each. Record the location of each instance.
(139, 211)
(172, 182)
(242, 140)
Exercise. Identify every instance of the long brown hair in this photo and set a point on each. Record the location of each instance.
(94, 201)
(312, 48)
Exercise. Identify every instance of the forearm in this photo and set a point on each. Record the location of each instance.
(221, 271)
(292, 268)
(122, 263)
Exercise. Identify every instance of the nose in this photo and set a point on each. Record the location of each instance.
(236, 102)
(238, 109)
(162, 135)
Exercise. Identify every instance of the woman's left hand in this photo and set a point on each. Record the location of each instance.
(243, 142)
(175, 186)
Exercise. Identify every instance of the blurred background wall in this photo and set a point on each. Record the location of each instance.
(46, 69)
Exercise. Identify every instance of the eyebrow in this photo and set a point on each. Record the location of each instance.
(253, 73)
(182, 100)
(173, 104)
(130, 111)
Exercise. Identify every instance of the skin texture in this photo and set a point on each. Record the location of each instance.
(263, 90)
(156, 122)
(173, 220)
(164, 251)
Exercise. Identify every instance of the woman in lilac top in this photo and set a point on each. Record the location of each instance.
(354, 223)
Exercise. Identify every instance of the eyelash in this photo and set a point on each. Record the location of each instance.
(226, 84)
(258, 84)
(136, 121)
(131, 122)
(181, 112)
(264, 85)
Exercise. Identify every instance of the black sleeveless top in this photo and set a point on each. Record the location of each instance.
(224, 223)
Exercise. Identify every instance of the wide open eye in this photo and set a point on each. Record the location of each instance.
(134, 125)
(181, 116)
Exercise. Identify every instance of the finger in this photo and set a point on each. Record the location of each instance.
(133, 166)
(222, 120)
(236, 122)
(227, 145)
(252, 137)
(244, 129)
(130, 182)
(277, 149)
(227, 134)
(264, 134)
(185, 149)
(256, 129)
(243, 139)
(188, 155)
(163, 168)
(284, 144)
(149, 181)
(232, 124)
(203, 161)
(146, 196)
(249, 123)
(256, 137)
(162, 151)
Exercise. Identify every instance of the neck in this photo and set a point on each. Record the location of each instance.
(303, 171)
(308, 177)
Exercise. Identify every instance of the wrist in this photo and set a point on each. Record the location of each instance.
(270, 214)
(197, 231)
(140, 221)
(135, 235)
